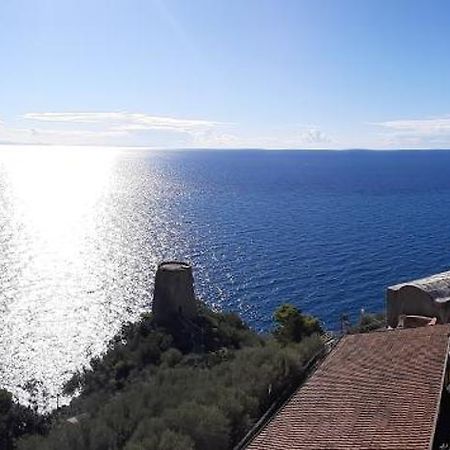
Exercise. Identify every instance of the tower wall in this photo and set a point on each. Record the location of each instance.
(174, 292)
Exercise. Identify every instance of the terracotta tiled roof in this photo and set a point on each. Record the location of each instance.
(379, 390)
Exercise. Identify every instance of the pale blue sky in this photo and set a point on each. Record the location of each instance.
(231, 73)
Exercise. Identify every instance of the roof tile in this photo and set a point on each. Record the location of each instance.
(378, 390)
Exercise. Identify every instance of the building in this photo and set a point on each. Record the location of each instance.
(380, 390)
(174, 296)
(428, 297)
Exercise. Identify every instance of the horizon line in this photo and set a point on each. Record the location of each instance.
(4, 145)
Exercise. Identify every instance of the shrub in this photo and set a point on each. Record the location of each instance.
(292, 325)
(148, 393)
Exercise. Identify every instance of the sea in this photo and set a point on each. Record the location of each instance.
(83, 229)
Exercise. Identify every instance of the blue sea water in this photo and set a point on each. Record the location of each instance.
(81, 233)
(326, 231)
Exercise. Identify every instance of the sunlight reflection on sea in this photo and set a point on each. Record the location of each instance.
(76, 256)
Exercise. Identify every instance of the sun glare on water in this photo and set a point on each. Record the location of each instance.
(55, 189)
(81, 232)
(49, 225)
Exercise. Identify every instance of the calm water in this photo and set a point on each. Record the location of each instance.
(81, 232)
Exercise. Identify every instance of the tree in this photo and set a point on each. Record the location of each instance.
(368, 322)
(292, 325)
(6, 404)
(17, 420)
(171, 440)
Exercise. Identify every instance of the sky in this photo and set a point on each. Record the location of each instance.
(226, 73)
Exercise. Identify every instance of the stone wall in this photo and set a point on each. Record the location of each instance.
(411, 300)
(174, 292)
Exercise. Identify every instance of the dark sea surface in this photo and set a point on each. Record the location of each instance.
(81, 232)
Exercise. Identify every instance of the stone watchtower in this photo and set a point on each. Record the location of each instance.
(174, 292)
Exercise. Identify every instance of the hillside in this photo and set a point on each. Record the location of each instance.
(200, 384)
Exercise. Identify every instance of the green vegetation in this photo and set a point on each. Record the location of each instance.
(199, 385)
(16, 420)
(293, 326)
(369, 322)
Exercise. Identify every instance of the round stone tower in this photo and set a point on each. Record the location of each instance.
(174, 292)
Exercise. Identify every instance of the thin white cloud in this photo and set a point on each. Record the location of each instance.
(43, 136)
(139, 129)
(314, 136)
(108, 128)
(431, 126)
(124, 121)
(122, 128)
(433, 132)
(280, 138)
